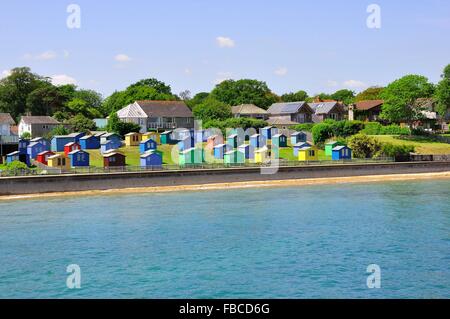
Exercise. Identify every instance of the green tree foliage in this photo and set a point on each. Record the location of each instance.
(115, 125)
(211, 109)
(307, 127)
(159, 86)
(331, 128)
(372, 93)
(197, 99)
(346, 96)
(15, 88)
(321, 132)
(81, 123)
(294, 97)
(242, 122)
(375, 128)
(391, 150)
(59, 130)
(26, 135)
(442, 94)
(364, 146)
(244, 91)
(400, 95)
(45, 100)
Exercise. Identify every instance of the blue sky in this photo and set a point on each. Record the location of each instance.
(320, 45)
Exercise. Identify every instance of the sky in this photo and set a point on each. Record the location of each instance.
(317, 46)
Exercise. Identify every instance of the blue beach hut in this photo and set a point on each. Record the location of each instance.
(298, 146)
(43, 141)
(232, 140)
(298, 137)
(341, 152)
(114, 138)
(106, 146)
(151, 158)
(58, 142)
(186, 143)
(79, 158)
(11, 157)
(23, 144)
(90, 142)
(76, 136)
(257, 140)
(247, 150)
(147, 145)
(220, 150)
(268, 132)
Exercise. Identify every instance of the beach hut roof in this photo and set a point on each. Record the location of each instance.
(86, 137)
(331, 142)
(232, 136)
(300, 144)
(262, 149)
(57, 155)
(340, 147)
(166, 132)
(45, 152)
(13, 153)
(150, 152)
(70, 144)
(304, 148)
(297, 133)
(268, 127)
(76, 151)
(279, 135)
(131, 134)
(109, 154)
(255, 135)
(105, 142)
(34, 144)
(244, 145)
(231, 152)
(188, 150)
(219, 145)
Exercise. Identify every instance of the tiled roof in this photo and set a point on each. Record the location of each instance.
(247, 109)
(277, 121)
(39, 120)
(155, 109)
(368, 104)
(5, 118)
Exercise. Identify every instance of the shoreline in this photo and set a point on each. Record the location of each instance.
(238, 185)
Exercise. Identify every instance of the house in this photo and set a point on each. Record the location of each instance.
(281, 123)
(147, 145)
(288, 114)
(249, 110)
(431, 120)
(341, 152)
(100, 123)
(70, 147)
(329, 147)
(368, 110)
(58, 161)
(234, 157)
(158, 115)
(59, 141)
(114, 138)
(298, 146)
(308, 153)
(247, 150)
(11, 157)
(133, 139)
(43, 157)
(191, 156)
(37, 125)
(166, 138)
(333, 110)
(43, 141)
(153, 135)
(257, 141)
(298, 137)
(6, 121)
(268, 131)
(113, 159)
(232, 140)
(279, 140)
(79, 158)
(220, 150)
(261, 154)
(90, 142)
(151, 158)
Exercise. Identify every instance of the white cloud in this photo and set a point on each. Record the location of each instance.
(5, 74)
(187, 71)
(354, 84)
(225, 42)
(44, 56)
(122, 58)
(222, 76)
(62, 79)
(331, 83)
(281, 71)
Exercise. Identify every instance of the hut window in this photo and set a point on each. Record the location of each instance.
(64, 162)
(312, 153)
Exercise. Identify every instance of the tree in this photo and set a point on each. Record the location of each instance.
(400, 96)
(159, 86)
(346, 96)
(197, 99)
(80, 123)
(112, 122)
(185, 95)
(244, 91)
(364, 146)
(443, 93)
(321, 132)
(211, 109)
(45, 100)
(294, 97)
(15, 88)
(59, 130)
(372, 93)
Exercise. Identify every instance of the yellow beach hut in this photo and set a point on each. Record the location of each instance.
(133, 139)
(308, 153)
(261, 154)
(58, 161)
(153, 135)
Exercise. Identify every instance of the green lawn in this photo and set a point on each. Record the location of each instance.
(423, 145)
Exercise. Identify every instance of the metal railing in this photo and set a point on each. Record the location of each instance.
(9, 139)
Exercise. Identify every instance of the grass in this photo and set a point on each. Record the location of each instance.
(423, 145)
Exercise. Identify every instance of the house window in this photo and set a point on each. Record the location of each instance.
(333, 116)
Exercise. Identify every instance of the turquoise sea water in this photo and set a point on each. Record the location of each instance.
(298, 242)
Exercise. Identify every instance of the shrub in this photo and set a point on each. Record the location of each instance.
(364, 146)
(394, 129)
(16, 165)
(392, 150)
(307, 127)
(321, 132)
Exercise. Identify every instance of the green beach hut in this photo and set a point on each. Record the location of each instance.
(234, 157)
(166, 137)
(329, 147)
(279, 140)
(191, 156)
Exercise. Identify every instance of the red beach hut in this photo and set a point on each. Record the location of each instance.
(43, 157)
(70, 147)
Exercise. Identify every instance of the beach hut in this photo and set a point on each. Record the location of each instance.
(152, 135)
(76, 136)
(247, 150)
(72, 146)
(220, 150)
(43, 141)
(133, 139)
(341, 152)
(329, 147)
(232, 140)
(185, 143)
(33, 149)
(90, 142)
(261, 154)
(11, 157)
(43, 157)
(113, 159)
(234, 157)
(151, 158)
(308, 153)
(298, 137)
(106, 146)
(59, 141)
(257, 141)
(79, 158)
(166, 137)
(190, 156)
(298, 146)
(23, 144)
(268, 132)
(115, 139)
(147, 145)
(58, 161)
(279, 140)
